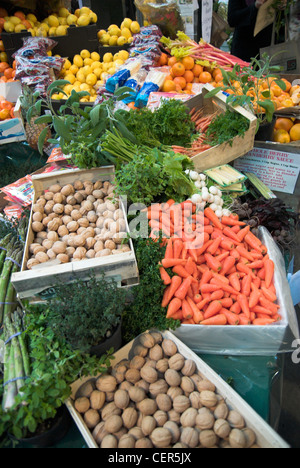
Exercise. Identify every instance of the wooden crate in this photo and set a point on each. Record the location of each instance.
(266, 436)
(224, 153)
(39, 282)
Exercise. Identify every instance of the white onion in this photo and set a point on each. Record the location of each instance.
(214, 207)
(211, 198)
(196, 198)
(226, 212)
(213, 190)
(193, 175)
(202, 176)
(203, 184)
(205, 196)
(198, 184)
(219, 213)
(202, 205)
(217, 200)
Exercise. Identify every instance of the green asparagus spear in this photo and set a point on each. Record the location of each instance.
(24, 350)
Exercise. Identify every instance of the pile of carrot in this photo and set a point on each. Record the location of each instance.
(223, 277)
(202, 123)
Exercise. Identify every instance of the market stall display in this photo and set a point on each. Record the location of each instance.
(138, 191)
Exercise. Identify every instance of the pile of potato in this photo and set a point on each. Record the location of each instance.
(158, 398)
(77, 221)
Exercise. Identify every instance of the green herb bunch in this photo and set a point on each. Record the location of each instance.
(54, 366)
(146, 311)
(83, 312)
(225, 127)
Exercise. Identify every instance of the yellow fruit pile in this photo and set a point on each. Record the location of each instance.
(55, 24)
(119, 36)
(286, 130)
(86, 72)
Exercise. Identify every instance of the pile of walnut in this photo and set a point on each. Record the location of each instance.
(159, 399)
(75, 222)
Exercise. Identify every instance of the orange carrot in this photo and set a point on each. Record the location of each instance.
(206, 277)
(220, 277)
(177, 315)
(232, 319)
(183, 288)
(263, 321)
(203, 303)
(164, 276)
(236, 308)
(180, 271)
(209, 288)
(229, 233)
(229, 262)
(226, 244)
(225, 287)
(197, 298)
(243, 301)
(186, 310)
(268, 294)
(195, 310)
(228, 221)
(188, 322)
(253, 242)
(219, 319)
(243, 232)
(173, 307)
(217, 295)
(211, 215)
(169, 249)
(246, 285)
(166, 297)
(256, 265)
(214, 264)
(268, 304)
(214, 246)
(213, 309)
(171, 262)
(177, 247)
(244, 253)
(226, 302)
(269, 272)
(244, 320)
(254, 297)
(176, 282)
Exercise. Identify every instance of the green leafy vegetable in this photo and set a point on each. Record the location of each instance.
(225, 127)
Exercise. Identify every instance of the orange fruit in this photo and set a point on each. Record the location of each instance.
(287, 103)
(189, 87)
(14, 64)
(20, 14)
(8, 73)
(180, 81)
(188, 63)
(288, 85)
(3, 66)
(295, 132)
(169, 86)
(276, 89)
(6, 105)
(3, 79)
(281, 136)
(172, 61)
(12, 113)
(205, 77)
(163, 59)
(189, 76)
(178, 69)
(197, 70)
(294, 89)
(284, 124)
(218, 77)
(4, 114)
(26, 24)
(196, 80)
(2, 46)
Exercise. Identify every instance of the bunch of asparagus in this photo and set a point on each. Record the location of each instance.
(16, 358)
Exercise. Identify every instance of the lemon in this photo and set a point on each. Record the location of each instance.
(93, 17)
(98, 72)
(83, 20)
(9, 27)
(15, 20)
(96, 64)
(106, 66)
(108, 57)
(61, 30)
(85, 11)
(52, 31)
(86, 70)
(115, 31)
(68, 89)
(70, 77)
(53, 21)
(105, 39)
(95, 56)
(41, 32)
(19, 28)
(45, 26)
(126, 33)
(104, 76)
(80, 76)
(91, 79)
(57, 96)
(101, 33)
(112, 70)
(32, 31)
(63, 12)
(85, 54)
(77, 12)
(67, 64)
(119, 62)
(72, 19)
(130, 40)
(123, 54)
(122, 41)
(127, 22)
(85, 87)
(135, 27)
(116, 56)
(78, 61)
(85, 99)
(99, 83)
(113, 41)
(63, 20)
(32, 18)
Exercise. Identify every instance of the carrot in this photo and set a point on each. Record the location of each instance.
(177, 315)
(262, 321)
(183, 288)
(243, 301)
(253, 242)
(189, 266)
(268, 294)
(166, 297)
(234, 281)
(206, 277)
(176, 282)
(229, 233)
(197, 315)
(171, 262)
(225, 287)
(254, 297)
(228, 221)
(221, 257)
(256, 265)
(211, 215)
(164, 276)
(221, 278)
(186, 310)
(212, 248)
(246, 285)
(180, 271)
(217, 295)
(188, 322)
(209, 288)
(197, 298)
(262, 273)
(269, 305)
(213, 309)
(236, 229)
(173, 307)
(177, 248)
(203, 303)
(214, 264)
(169, 249)
(244, 320)
(232, 319)
(269, 272)
(243, 232)
(219, 319)
(227, 244)
(244, 253)
(229, 262)
(226, 302)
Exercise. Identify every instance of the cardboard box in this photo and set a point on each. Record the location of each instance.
(266, 436)
(38, 282)
(286, 55)
(224, 153)
(11, 130)
(11, 91)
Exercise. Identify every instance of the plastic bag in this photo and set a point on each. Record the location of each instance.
(163, 13)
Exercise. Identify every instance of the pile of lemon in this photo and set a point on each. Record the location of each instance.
(56, 24)
(119, 36)
(86, 72)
